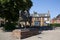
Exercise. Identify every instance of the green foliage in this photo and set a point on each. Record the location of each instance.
(9, 9)
(55, 25)
(10, 26)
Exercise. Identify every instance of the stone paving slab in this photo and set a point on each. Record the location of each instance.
(6, 36)
(46, 35)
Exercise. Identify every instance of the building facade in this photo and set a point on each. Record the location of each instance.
(41, 19)
(56, 20)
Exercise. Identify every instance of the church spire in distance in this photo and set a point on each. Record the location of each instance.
(48, 12)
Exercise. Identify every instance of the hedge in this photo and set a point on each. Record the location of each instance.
(55, 25)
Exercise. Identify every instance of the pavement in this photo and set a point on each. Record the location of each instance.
(46, 35)
(6, 36)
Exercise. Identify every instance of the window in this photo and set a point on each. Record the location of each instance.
(36, 23)
(45, 19)
(37, 18)
(45, 14)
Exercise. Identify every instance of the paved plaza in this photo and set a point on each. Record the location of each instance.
(46, 35)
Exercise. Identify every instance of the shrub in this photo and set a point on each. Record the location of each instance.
(55, 25)
(9, 26)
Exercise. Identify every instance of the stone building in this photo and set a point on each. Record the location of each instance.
(40, 19)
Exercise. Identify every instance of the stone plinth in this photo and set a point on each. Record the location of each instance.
(24, 33)
(16, 33)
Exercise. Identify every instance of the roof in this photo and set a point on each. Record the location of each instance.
(40, 15)
(57, 17)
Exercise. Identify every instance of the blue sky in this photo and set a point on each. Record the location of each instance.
(42, 6)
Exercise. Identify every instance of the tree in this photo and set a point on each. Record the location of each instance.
(10, 8)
